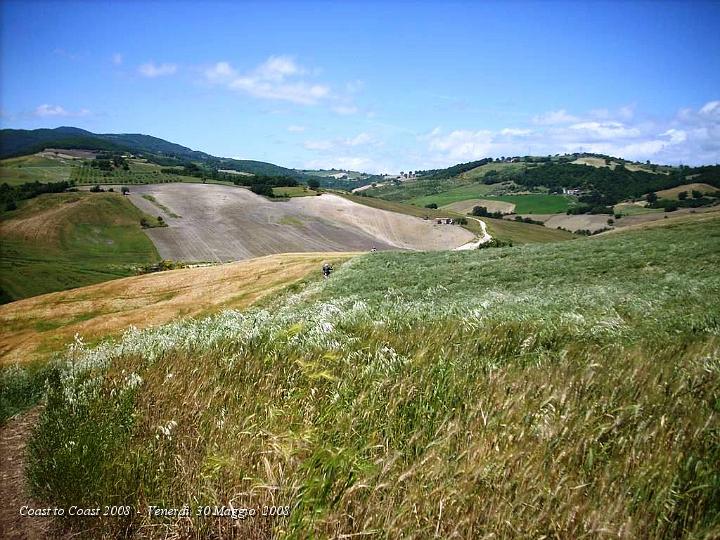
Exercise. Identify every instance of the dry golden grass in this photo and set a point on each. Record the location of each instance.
(37, 326)
(650, 221)
(466, 207)
(672, 193)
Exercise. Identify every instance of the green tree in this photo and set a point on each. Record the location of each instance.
(313, 184)
(651, 197)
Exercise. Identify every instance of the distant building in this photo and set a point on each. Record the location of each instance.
(573, 191)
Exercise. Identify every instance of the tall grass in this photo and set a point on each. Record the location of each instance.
(549, 391)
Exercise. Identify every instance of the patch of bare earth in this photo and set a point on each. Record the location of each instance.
(14, 491)
(582, 222)
(227, 223)
(466, 207)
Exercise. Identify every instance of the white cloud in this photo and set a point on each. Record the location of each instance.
(152, 70)
(692, 136)
(462, 144)
(555, 117)
(117, 59)
(711, 108)
(278, 78)
(513, 132)
(361, 139)
(605, 130)
(46, 110)
(220, 72)
(277, 68)
(281, 78)
(345, 109)
(296, 129)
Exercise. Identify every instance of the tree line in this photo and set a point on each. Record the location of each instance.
(10, 195)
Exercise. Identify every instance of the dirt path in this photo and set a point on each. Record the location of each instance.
(477, 242)
(14, 492)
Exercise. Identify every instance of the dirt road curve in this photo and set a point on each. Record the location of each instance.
(13, 487)
(227, 223)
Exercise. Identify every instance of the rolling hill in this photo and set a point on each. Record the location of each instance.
(66, 240)
(20, 142)
(222, 223)
(541, 379)
(38, 326)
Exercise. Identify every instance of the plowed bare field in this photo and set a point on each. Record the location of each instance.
(225, 223)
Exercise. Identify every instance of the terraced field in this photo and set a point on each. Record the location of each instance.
(222, 223)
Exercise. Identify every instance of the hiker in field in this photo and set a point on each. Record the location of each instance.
(326, 270)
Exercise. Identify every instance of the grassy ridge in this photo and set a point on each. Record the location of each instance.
(16, 171)
(61, 241)
(573, 388)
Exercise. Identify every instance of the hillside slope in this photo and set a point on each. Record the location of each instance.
(35, 327)
(20, 142)
(220, 223)
(571, 387)
(60, 241)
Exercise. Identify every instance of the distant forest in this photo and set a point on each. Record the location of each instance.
(606, 186)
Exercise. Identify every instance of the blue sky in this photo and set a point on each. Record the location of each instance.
(377, 86)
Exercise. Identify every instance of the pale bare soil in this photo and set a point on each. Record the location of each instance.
(37, 326)
(227, 223)
(466, 207)
(588, 222)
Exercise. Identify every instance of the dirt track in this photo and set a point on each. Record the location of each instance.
(224, 223)
(14, 491)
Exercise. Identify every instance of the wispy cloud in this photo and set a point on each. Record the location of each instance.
(46, 110)
(345, 110)
(296, 129)
(278, 78)
(152, 70)
(282, 78)
(361, 152)
(555, 117)
(117, 59)
(361, 139)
